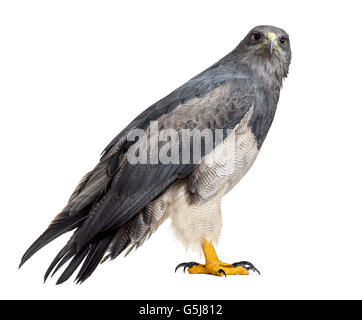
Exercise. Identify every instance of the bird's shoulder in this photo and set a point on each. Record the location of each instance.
(218, 84)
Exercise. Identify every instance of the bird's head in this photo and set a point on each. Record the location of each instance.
(267, 50)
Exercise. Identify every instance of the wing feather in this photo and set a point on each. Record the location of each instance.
(135, 185)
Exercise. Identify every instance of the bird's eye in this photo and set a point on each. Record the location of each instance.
(283, 41)
(255, 37)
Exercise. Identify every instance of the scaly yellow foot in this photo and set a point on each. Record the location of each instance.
(216, 267)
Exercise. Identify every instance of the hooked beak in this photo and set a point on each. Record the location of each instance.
(271, 36)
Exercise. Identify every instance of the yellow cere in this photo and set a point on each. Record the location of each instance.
(271, 36)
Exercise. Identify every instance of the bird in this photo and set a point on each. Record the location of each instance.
(118, 205)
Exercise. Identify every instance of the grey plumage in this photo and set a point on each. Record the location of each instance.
(119, 205)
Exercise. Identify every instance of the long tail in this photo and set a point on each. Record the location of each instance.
(92, 253)
(90, 189)
(87, 256)
(60, 225)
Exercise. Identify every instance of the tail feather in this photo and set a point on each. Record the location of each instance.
(87, 195)
(92, 253)
(96, 253)
(73, 265)
(60, 225)
(89, 190)
(62, 257)
(70, 254)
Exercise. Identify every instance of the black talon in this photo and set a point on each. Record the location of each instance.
(222, 271)
(247, 265)
(186, 265)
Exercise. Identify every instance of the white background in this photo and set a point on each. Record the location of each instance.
(74, 73)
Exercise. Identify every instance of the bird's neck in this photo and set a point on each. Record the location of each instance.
(269, 69)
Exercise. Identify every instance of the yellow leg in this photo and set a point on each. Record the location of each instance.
(214, 266)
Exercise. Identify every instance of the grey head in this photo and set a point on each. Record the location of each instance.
(266, 50)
